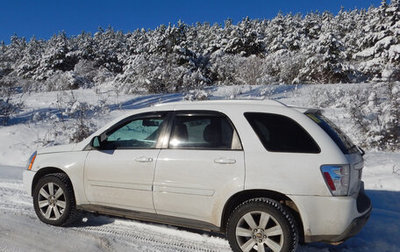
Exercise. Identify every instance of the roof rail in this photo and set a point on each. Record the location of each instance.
(260, 101)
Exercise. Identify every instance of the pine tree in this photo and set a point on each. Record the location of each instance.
(352, 46)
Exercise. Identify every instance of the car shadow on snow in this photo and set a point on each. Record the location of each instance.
(134, 103)
(96, 220)
(93, 220)
(382, 231)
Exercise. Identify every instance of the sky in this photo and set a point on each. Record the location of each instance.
(44, 18)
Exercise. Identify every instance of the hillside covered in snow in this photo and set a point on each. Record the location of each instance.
(56, 117)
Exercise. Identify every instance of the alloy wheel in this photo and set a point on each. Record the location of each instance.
(51, 201)
(259, 231)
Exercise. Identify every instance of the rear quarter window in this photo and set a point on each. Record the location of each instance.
(341, 139)
(279, 133)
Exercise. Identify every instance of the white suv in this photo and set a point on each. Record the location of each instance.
(266, 174)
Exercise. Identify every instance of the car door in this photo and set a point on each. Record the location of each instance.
(202, 166)
(119, 171)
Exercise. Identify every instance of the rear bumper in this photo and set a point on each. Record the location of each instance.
(332, 219)
(364, 207)
(355, 226)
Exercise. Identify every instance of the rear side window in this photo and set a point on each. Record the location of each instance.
(281, 134)
(203, 132)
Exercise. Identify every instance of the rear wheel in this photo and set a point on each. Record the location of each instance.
(261, 224)
(54, 201)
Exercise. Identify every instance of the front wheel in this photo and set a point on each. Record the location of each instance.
(54, 201)
(262, 224)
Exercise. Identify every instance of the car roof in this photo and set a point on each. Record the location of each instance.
(241, 102)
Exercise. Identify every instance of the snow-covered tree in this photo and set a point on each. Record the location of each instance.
(352, 46)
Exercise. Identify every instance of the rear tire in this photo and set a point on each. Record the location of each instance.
(54, 200)
(262, 224)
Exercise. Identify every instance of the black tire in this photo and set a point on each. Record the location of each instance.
(276, 218)
(64, 205)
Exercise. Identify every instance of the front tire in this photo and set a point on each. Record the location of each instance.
(262, 224)
(54, 201)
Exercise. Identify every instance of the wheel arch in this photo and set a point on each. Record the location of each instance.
(242, 196)
(70, 214)
(46, 171)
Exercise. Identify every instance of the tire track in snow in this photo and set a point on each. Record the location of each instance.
(111, 234)
(160, 237)
(14, 199)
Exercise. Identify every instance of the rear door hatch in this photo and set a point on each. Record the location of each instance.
(352, 152)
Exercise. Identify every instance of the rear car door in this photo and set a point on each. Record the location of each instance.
(119, 172)
(202, 165)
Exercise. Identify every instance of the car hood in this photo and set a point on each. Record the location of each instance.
(57, 148)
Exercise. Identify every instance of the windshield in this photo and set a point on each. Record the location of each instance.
(341, 139)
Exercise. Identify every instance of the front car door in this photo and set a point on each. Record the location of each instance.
(119, 172)
(202, 165)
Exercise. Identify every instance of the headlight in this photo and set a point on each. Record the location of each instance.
(31, 160)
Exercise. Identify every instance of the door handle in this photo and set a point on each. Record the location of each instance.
(144, 159)
(224, 161)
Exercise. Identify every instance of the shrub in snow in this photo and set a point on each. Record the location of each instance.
(239, 70)
(377, 116)
(250, 71)
(65, 81)
(86, 69)
(334, 97)
(81, 129)
(372, 109)
(197, 94)
(289, 67)
(103, 75)
(75, 120)
(9, 105)
(224, 69)
(390, 73)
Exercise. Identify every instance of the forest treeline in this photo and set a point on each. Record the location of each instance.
(349, 47)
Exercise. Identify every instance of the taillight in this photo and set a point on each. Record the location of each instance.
(337, 178)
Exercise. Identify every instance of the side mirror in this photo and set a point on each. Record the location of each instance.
(96, 142)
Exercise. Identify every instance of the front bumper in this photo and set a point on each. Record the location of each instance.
(27, 178)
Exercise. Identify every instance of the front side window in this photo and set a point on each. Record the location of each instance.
(141, 133)
(281, 134)
(203, 132)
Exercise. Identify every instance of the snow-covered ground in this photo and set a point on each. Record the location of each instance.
(20, 230)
